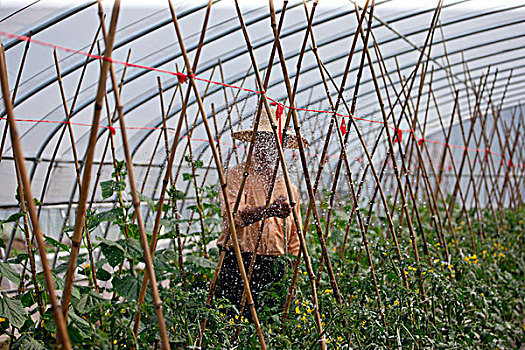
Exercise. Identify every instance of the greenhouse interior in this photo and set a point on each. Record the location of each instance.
(225, 174)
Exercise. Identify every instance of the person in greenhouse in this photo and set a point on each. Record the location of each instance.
(279, 235)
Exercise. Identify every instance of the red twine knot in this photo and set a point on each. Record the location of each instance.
(420, 142)
(182, 78)
(399, 135)
(343, 126)
(278, 115)
(113, 131)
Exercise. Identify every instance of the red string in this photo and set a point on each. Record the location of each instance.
(182, 78)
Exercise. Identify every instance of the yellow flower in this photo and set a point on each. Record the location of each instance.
(309, 310)
(297, 310)
(339, 338)
(363, 324)
(2, 319)
(296, 302)
(482, 294)
(328, 291)
(303, 318)
(322, 316)
(396, 303)
(114, 341)
(231, 321)
(305, 273)
(328, 341)
(270, 330)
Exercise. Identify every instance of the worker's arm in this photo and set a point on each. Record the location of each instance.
(279, 208)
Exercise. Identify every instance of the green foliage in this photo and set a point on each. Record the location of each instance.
(473, 300)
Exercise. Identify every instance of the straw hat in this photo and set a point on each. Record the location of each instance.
(265, 125)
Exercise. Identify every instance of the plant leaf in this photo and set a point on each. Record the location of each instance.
(89, 301)
(12, 310)
(26, 342)
(127, 287)
(112, 250)
(13, 218)
(7, 271)
(56, 243)
(202, 262)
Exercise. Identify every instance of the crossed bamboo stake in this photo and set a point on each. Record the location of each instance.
(62, 335)
(81, 210)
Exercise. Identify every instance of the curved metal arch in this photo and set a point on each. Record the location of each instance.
(132, 78)
(33, 170)
(314, 66)
(327, 62)
(464, 120)
(50, 23)
(299, 29)
(65, 73)
(52, 134)
(373, 92)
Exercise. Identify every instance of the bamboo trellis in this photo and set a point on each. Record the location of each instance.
(437, 170)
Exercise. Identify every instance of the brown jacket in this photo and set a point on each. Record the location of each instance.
(254, 194)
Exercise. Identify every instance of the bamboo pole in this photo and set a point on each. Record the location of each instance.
(81, 210)
(221, 177)
(157, 303)
(301, 149)
(189, 133)
(476, 113)
(29, 246)
(363, 227)
(23, 208)
(75, 158)
(175, 143)
(466, 158)
(17, 83)
(60, 324)
(246, 173)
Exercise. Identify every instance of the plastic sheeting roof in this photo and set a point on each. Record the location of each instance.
(483, 33)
